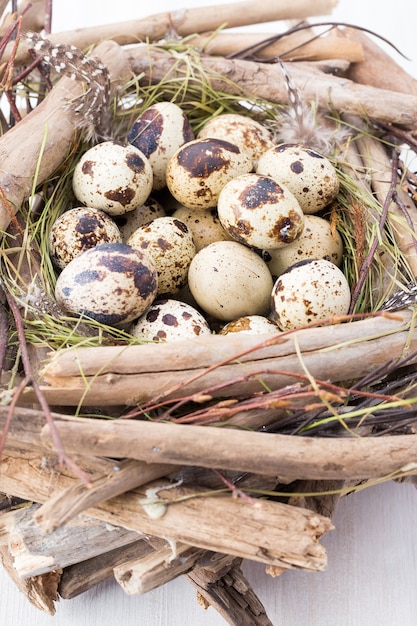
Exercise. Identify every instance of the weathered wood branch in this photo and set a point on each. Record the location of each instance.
(136, 374)
(35, 553)
(266, 81)
(184, 22)
(258, 453)
(270, 532)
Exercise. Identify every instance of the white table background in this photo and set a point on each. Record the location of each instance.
(371, 579)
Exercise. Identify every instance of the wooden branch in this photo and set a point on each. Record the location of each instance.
(270, 532)
(34, 553)
(228, 591)
(156, 568)
(33, 16)
(258, 453)
(41, 591)
(295, 46)
(266, 81)
(184, 22)
(378, 69)
(136, 374)
(49, 129)
(80, 577)
(63, 507)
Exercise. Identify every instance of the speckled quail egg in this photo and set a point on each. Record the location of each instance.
(169, 242)
(228, 280)
(158, 132)
(204, 225)
(131, 221)
(113, 176)
(198, 171)
(241, 130)
(310, 176)
(317, 241)
(77, 230)
(308, 292)
(170, 320)
(259, 212)
(112, 283)
(251, 325)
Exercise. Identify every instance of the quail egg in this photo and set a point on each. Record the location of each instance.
(158, 132)
(204, 225)
(259, 212)
(241, 130)
(77, 230)
(228, 280)
(112, 176)
(310, 176)
(198, 171)
(251, 325)
(317, 241)
(308, 292)
(131, 221)
(112, 283)
(170, 320)
(170, 243)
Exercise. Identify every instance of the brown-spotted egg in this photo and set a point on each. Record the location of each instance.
(259, 212)
(170, 320)
(310, 176)
(251, 325)
(317, 241)
(170, 244)
(112, 283)
(308, 292)
(229, 280)
(77, 230)
(204, 225)
(198, 171)
(241, 130)
(131, 221)
(114, 177)
(158, 132)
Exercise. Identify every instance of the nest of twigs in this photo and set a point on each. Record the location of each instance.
(163, 439)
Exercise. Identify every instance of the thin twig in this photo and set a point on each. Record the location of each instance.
(384, 214)
(63, 458)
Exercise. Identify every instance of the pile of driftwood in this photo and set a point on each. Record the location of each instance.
(154, 491)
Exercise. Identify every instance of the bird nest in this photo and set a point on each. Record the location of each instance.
(161, 439)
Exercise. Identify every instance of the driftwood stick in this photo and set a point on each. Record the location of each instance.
(258, 453)
(266, 81)
(136, 374)
(227, 590)
(66, 505)
(194, 517)
(294, 46)
(41, 591)
(186, 22)
(378, 68)
(80, 577)
(35, 554)
(156, 568)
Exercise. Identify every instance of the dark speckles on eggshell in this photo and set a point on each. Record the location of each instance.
(146, 132)
(181, 226)
(202, 158)
(297, 167)
(264, 190)
(135, 162)
(88, 168)
(123, 196)
(87, 276)
(170, 320)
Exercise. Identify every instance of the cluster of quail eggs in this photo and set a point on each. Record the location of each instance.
(241, 248)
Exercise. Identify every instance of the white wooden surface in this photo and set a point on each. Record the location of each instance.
(372, 571)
